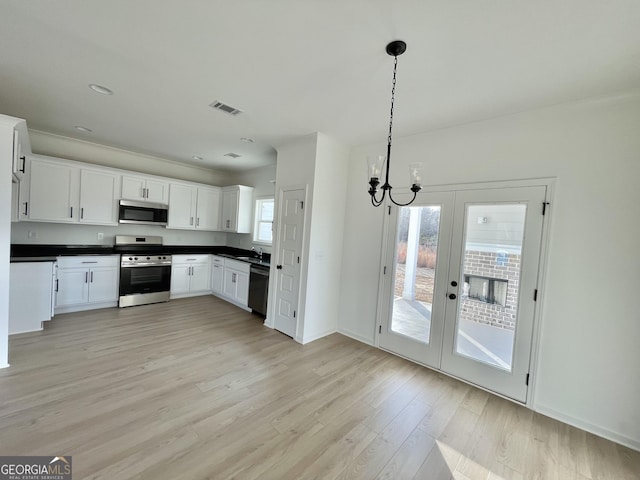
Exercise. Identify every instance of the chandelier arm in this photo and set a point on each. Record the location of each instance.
(403, 204)
(375, 201)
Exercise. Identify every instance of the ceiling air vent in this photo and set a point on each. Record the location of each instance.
(232, 155)
(225, 108)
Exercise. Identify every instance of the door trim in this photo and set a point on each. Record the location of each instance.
(549, 183)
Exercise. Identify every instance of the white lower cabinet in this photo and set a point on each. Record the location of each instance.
(217, 274)
(190, 275)
(30, 295)
(87, 282)
(235, 283)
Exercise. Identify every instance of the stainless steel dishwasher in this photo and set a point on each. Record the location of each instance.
(258, 289)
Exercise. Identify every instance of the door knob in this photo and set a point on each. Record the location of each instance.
(279, 267)
(454, 283)
(452, 296)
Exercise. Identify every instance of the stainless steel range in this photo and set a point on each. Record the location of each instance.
(145, 272)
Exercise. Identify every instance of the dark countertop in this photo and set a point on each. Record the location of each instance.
(32, 259)
(48, 253)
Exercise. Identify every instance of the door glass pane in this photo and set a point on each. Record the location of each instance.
(488, 307)
(415, 266)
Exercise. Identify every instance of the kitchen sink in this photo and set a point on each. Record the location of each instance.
(253, 260)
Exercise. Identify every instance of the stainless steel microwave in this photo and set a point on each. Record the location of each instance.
(143, 213)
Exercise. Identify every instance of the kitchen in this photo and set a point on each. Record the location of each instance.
(185, 228)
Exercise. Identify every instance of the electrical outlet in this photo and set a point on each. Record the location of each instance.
(32, 234)
(100, 235)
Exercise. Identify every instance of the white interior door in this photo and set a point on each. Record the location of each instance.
(290, 230)
(463, 284)
(416, 273)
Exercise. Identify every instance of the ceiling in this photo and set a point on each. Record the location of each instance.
(299, 66)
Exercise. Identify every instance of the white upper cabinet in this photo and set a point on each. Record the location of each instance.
(60, 192)
(193, 208)
(237, 204)
(208, 208)
(145, 189)
(182, 206)
(21, 147)
(54, 192)
(98, 197)
(66, 191)
(19, 161)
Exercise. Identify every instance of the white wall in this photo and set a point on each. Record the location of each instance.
(325, 239)
(588, 371)
(319, 163)
(64, 147)
(296, 164)
(263, 180)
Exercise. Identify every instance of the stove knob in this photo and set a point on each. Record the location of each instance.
(148, 258)
(135, 258)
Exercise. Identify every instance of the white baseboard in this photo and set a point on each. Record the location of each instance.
(582, 425)
(355, 336)
(82, 308)
(317, 336)
(189, 294)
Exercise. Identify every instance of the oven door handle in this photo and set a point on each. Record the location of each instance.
(146, 265)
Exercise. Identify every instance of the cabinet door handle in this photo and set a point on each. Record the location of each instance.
(191, 221)
(147, 193)
(86, 277)
(91, 277)
(26, 208)
(57, 284)
(24, 163)
(90, 262)
(197, 221)
(82, 212)
(233, 278)
(71, 212)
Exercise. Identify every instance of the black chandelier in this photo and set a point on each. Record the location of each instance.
(394, 49)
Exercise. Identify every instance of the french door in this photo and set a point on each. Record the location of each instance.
(460, 284)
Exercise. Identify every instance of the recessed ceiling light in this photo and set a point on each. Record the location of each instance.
(247, 140)
(100, 89)
(83, 129)
(232, 155)
(196, 157)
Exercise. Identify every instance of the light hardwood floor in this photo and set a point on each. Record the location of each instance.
(197, 388)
